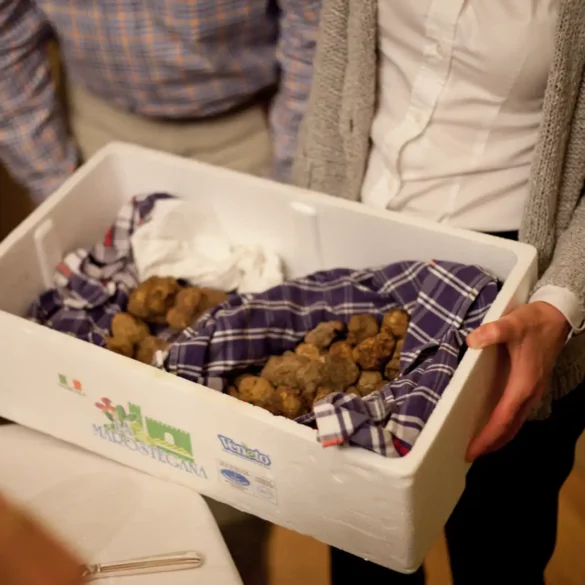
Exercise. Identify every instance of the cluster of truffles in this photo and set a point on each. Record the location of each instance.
(158, 301)
(357, 359)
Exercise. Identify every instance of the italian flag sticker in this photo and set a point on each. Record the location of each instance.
(70, 383)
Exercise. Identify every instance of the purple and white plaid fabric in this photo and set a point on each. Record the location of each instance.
(91, 286)
(445, 301)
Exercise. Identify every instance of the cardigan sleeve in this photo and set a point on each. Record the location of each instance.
(567, 269)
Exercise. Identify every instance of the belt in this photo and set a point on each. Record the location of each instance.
(263, 99)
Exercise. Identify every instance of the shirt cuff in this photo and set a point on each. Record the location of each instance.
(564, 301)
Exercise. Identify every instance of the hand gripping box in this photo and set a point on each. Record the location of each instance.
(386, 510)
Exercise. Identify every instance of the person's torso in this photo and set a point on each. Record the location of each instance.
(168, 58)
(461, 88)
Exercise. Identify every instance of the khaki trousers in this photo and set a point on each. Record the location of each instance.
(238, 141)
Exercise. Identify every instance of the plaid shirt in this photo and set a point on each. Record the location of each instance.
(445, 300)
(160, 58)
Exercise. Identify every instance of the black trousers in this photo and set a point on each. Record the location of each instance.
(503, 530)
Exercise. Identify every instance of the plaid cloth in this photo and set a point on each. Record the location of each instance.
(162, 59)
(445, 301)
(91, 286)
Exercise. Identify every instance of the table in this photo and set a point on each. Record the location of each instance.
(108, 512)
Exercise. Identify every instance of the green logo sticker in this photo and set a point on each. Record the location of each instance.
(128, 428)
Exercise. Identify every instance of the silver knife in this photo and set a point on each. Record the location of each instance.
(180, 561)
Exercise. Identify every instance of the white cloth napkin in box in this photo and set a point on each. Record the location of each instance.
(182, 241)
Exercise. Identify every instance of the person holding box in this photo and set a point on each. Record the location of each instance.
(472, 114)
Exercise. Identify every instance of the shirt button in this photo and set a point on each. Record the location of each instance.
(393, 184)
(418, 118)
(434, 51)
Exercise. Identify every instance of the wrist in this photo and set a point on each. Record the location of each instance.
(552, 318)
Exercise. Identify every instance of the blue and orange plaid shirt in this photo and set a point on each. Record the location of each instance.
(159, 58)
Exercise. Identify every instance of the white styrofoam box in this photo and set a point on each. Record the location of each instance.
(386, 510)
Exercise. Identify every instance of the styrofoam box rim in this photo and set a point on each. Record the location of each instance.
(401, 467)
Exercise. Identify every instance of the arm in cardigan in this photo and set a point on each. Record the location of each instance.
(567, 269)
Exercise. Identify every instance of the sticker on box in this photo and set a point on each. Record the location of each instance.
(245, 481)
(71, 384)
(129, 428)
(243, 451)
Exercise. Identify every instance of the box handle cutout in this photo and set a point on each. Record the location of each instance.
(49, 252)
(306, 233)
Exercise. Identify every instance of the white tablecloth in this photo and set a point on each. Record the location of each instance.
(108, 512)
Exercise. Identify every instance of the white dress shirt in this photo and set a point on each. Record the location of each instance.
(461, 88)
